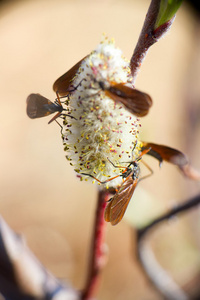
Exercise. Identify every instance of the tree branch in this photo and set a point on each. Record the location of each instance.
(157, 275)
(97, 254)
(183, 207)
(148, 36)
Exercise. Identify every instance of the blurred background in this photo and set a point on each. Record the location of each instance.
(40, 196)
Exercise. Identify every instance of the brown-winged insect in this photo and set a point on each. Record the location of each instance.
(118, 204)
(63, 85)
(39, 106)
(137, 102)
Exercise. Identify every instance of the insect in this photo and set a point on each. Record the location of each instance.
(161, 152)
(39, 106)
(118, 204)
(63, 85)
(135, 101)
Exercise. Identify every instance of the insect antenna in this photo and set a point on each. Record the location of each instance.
(74, 88)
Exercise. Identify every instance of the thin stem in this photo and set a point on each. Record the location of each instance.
(148, 37)
(184, 207)
(97, 255)
(156, 274)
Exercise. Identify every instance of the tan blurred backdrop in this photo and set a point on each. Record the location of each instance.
(40, 195)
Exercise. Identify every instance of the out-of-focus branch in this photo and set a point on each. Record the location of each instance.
(157, 275)
(98, 251)
(183, 207)
(22, 276)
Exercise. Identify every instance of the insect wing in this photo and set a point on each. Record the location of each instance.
(137, 102)
(117, 206)
(168, 154)
(39, 106)
(62, 85)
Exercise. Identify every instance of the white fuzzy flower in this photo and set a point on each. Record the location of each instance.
(102, 135)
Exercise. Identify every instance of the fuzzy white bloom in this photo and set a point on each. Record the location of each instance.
(102, 135)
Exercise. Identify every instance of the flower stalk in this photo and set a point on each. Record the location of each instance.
(97, 253)
(155, 26)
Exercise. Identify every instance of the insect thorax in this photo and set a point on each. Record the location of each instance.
(136, 170)
(133, 169)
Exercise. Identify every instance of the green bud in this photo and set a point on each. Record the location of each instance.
(168, 9)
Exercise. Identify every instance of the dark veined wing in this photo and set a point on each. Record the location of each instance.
(137, 102)
(39, 106)
(63, 84)
(117, 205)
(168, 154)
(174, 157)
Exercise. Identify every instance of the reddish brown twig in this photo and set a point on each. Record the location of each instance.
(97, 254)
(148, 37)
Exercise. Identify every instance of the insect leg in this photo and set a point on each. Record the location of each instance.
(58, 115)
(102, 182)
(135, 144)
(61, 97)
(115, 165)
(57, 101)
(74, 88)
(149, 168)
(55, 117)
(144, 151)
(63, 115)
(60, 127)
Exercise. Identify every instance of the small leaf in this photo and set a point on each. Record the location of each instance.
(168, 9)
